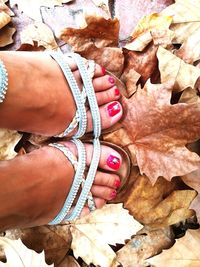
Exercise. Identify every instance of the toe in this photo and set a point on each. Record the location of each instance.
(103, 83)
(110, 114)
(108, 96)
(111, 180)
(103, 192)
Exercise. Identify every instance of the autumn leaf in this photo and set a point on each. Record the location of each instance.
(5, 8)
(189, 96)
(91, 234)
(104, 4)
(69, 261)
(8, 141)
(173, 69)
(152, 27)
(130, 77)
(4, 19)
(41, 34)
(32, 7)
(185, 252)
(19, 256)
(6, 35)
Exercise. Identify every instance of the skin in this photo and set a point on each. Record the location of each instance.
(34, 186)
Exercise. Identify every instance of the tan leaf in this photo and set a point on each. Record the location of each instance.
(130, 78)
(189, 96)
(4, 19)
(91, 234)
(172, 68)
(69, 261)
(92, 33)
(6, 35)
(144, 246)
(5, 8)
(192, 179)
(181, 31)
(184, 253)
(104, 4)
(159, 132)
(8, 141)
(19, 256)
(32, 7)
(152, 27)
(40, 33)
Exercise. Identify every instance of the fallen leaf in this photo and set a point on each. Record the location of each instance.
(40, 33)
(172, 68)
(184, 253)
(91, 234)
(6, 35)
(8, 141)
(189, 96)
(104, 4)
(143, 246)
(152, 27)
(19, 256)
(5, 8)
(4, 19)
(69, 261)
(32, 7)
(130, 78)
(192, 179)
(92, 34)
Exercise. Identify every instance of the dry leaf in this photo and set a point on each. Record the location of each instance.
(152, 27)
(19, 256)
(4, 19)
(40, 33)
(144, 246)
(130, 78)
(5, 8)
(184, 253)
(92, 34)
(104, 4)
(6, 35)
(193, 180)
(8, 141)
(91, 234)
(69, 261)
(189, 96)
(32, 7)
(172, 68)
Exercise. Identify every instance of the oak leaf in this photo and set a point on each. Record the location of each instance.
(91, 234)
(19, 256)
(6, 35)
(185, 252)
(174, 69)
(41, 34)
(8, 141)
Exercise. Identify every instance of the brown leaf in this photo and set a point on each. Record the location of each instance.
(4, 19)
(5, 8)
(185, 252)
(130, 78)
(92, 34)
(144, 246)
(69, 261)
(192, 179)
(6, 35)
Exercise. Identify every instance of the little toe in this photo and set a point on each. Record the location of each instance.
(111, 180)
(107, 96)
(103, 192)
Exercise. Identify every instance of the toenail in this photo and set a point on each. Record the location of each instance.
(103, 70)
(113, 109)
(113, 195)
(111, 80)
(113, 162)
(117, 183)
(117, 92)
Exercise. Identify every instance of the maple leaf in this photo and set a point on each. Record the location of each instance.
(40, 33)
(19, 256)
(152, 27)
(8, 141)
(32, 7)
(172, 68)
(185, 252)
(91, 234)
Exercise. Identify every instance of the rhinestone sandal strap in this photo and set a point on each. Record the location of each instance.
(81, 116)
(79, 168)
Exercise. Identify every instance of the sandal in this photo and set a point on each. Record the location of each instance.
(85, 198)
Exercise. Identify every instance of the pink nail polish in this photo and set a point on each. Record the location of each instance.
(111, 80)
(113, 109)
(117, 183)
(117, 92)
(103, 70)
(113, 195)
(113, 162)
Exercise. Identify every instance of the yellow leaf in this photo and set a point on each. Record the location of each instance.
(91, 234)
(20, 256)
(40, 33)
(8, 141)
(184, 253)
(172, 68)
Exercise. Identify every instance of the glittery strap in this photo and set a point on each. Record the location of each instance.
(3, 81)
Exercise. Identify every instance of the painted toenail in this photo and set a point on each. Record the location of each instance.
(103, 70)
(117, 92)
(113, 109)
(113, 162)
(117, 183)
(113, 195)
(111, 80)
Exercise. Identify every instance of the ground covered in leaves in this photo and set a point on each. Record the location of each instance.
(158, 61)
